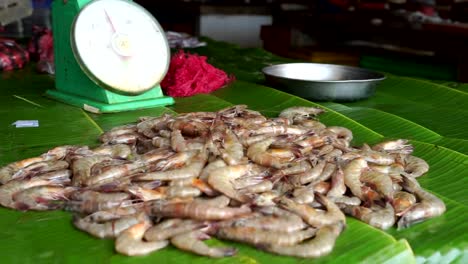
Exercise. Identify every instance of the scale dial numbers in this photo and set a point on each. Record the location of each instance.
(120, 46)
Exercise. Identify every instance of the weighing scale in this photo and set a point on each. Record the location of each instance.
(110, 56)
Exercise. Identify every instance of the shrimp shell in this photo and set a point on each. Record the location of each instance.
(130, 242)
(191, 241)
(429, 205)
(382, 218)
(415, 167)
(256, 236)
(322, 244)
(109, 229)
(352, 173)
(170, 228)
(194, 210)
(310, 215)
(41, 198)
(7, 172)
(258, 154)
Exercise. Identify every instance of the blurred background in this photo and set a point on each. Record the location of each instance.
(421, 38)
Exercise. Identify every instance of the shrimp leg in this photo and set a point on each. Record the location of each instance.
(192, 242)
(322, 244)
(130, 242)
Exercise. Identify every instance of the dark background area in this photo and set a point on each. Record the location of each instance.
(423, 38)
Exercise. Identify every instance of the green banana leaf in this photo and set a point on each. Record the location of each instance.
(431, 114)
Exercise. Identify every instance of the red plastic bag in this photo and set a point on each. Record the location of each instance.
(12, 55)
(191, 74)
(41, 49)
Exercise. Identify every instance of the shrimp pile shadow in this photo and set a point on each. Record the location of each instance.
(282, 185)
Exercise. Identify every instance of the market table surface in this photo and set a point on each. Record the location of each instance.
(432, 115)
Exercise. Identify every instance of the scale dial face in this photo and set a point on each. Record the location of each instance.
(120, 46)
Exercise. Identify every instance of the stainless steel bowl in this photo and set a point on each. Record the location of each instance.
(323, 82)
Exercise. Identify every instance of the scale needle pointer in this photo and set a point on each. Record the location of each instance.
(110, 21)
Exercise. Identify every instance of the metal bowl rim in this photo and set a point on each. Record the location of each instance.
(351, 68)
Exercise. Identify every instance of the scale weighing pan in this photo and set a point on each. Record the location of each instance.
(323, 82)
(110, 56)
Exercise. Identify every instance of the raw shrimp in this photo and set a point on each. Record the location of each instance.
(148, 194)
(266, 198)
(232, 151)
(41, 198)
(301, 112)
(398, 146)
(40, 168)
(273, 219)
(352, 174)
(321, 187)
(130, 139)
(343, 201)
(182, 192)
(156, 155)
(429, 205)
(382, 218)
(280, 130)
(341, 133)
(246, 181)
(415, 166)
(256, 236)
(7, 172)
(174, 161)
(204, 187)
(8, 190)
(141, 146)
(314, 141)
(261, 187)
(221, 179)
(61, 152)
(258, 154)
(113, 213)
(322, 244)
(394, 170)
(111, 173)
(326, 174)
(380, 158)
(218, 201)
(189, 127)
(313, 125)
(181, 182)
(192, 242)
(179, 143)
(81, 167)
(109, 229)
(402, 201)
(150, 126)
(382, 183)
(310, 215)
(172, 227)
(117, 151)
(303, 195)
(109, 136)
(248, 140)
(338, 187)
(218, 163)
(308, 176)
(130, 242)
(192, 170)
(295, 168)
(194, 210)
(161, 142)
(91, 201)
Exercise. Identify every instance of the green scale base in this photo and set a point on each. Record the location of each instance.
(99, 107)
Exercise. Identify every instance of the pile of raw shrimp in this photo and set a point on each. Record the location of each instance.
(283, 185)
